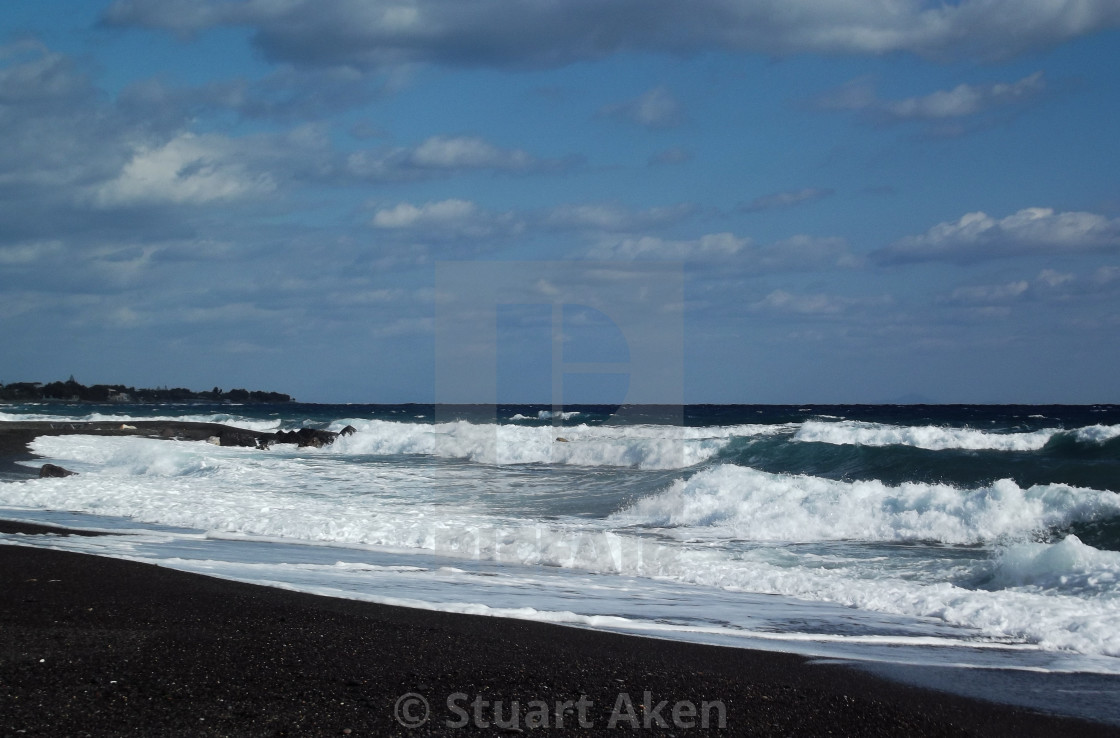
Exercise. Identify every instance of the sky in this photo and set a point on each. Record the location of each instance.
(724, 201)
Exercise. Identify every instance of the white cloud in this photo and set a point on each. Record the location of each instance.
(407, 215)
(39, 76)
(965, 100)
(453, 218)
(781, 301)
(402, 327)
(808, 252)
(613, 217)
(713, 245)
(189, 169)
(465, 152)
(1107, 275)
(782, 200)
(529, 33)
(978, 236)
(28, 253)
(656, 108)
(1048, 286)
(797, 253)
(55, 129)
(442, 155)
(975, 294)
(243, 347)
(961, 101)
(1052, 278)
(285, 94)
(943, 113)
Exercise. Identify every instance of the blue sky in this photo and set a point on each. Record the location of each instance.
(866, 200)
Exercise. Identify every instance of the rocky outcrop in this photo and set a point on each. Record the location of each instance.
(304, 437)
(238, 437)
(249, 439)
(50, 471)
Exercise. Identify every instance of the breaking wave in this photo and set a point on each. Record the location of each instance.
(733, 502)
(638, 446)
(940, 438)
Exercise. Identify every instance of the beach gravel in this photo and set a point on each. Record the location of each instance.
(104, 647)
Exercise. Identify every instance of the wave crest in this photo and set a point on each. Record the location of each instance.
(736, 502)
(639, 446)
(930, 437)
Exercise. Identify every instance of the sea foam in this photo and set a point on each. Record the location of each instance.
(548, 415)
(695, 531)
(933, 438)
(238, 421)
(734, 502)
(1069, 567)
(642, 447)
(1098, 433)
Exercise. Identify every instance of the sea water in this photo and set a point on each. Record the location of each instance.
(974, 548)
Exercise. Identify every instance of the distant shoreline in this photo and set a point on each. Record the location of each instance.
(119, 394)
(71, 401)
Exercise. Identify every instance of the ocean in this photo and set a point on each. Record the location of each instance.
(971, 548)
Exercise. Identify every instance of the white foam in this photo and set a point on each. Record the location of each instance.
(1055, 620)
(549, 415)
(1098, 433)
(128, 457)
(238, 421)
(734, 502)
(930, 437)
(1060, 596)
(1070, 567)
(320, 499)
(638, 446)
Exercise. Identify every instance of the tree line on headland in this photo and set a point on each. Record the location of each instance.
(73, 391)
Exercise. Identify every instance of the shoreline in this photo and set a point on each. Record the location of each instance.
(185, 646)
(106, 647)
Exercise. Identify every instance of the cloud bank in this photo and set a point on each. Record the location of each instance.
(943, 112)
(978, 237)
(371, 34)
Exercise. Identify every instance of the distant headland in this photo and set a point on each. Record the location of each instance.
(73, 391)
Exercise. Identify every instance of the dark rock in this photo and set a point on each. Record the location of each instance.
(348, 431)
(238, 437)
(303, 437)
(50, 471)
(315, 438)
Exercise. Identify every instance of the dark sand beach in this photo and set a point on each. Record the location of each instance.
(106, 647)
